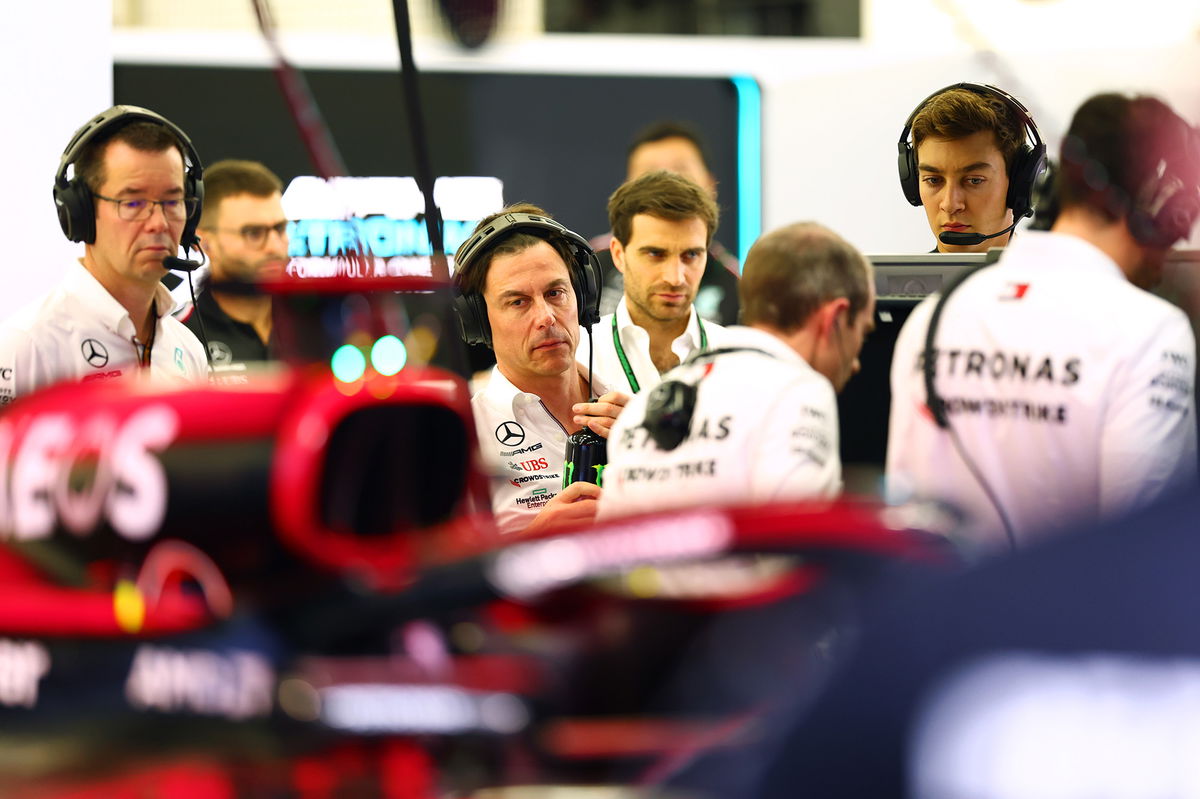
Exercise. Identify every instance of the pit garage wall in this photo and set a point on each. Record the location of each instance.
(55, 71)
(831, 109)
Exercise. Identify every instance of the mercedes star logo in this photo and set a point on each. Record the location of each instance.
(94, 353)
(510, 434)
(220, 352)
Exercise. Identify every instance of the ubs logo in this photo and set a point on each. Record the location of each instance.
(94, 353)
(510, 434)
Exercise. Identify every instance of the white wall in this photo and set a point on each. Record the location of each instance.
(1033, 24)
(55, 71)
(832, 109)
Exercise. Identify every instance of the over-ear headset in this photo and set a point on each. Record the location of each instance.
(583, 267)
(671, 404)
(73, 198)
(1023, 172)
(1167, 203)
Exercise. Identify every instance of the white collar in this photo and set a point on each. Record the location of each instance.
(750, 337)
(104, 307)
(501, 393)
(628, 327)
(1059, 252)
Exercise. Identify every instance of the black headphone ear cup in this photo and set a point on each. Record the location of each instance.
(473, 325)
(76, 211)
(669, 411)
(906, 163)
(192, 187)
(587, 287)
(1166, 216)
(1027, 165)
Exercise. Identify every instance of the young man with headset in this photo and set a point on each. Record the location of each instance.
(755, 420)
(526, 285)
(133, 199)
(662, 226)
(1051, 387)
(970, 154)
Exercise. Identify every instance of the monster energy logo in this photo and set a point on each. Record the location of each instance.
(569, 473)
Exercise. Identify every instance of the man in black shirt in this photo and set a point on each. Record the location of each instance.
(244, 234)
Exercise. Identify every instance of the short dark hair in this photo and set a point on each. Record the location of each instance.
(230, 178)
(1114, 148)
(140, 134)
(791, 272)
(664, 195)
(669, 129)
(472, 279)
(958, 113)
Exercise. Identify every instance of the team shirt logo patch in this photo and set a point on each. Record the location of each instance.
(1015, 291)
(510, 434)
(220, 352)
(95, 353)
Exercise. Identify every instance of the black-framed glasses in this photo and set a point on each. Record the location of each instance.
(140, 209)
(256, 235)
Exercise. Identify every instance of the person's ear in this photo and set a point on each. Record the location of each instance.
(618, 254)
(833, 315)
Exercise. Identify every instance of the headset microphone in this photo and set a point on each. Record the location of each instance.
(970, 239)
(180, 264)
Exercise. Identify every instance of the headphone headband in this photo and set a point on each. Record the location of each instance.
(978, 88)
(73, 197)
(583, 268)
(1023, 171)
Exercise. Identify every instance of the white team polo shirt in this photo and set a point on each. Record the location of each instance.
(623, 349)
(523, 448)
(80, 332)
(1070, 388)
(765, 429)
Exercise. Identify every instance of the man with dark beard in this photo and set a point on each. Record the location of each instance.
(662, 226)
(244, 235)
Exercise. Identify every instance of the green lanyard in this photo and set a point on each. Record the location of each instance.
(629, 375)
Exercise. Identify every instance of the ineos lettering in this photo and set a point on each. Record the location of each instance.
(127, 483)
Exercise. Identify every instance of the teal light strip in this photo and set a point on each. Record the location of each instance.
(749, 162)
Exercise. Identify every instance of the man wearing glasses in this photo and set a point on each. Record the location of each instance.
(244, 234)
(130, 202)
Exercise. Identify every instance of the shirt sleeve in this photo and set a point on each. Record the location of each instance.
(21, 370)
(1148, 444)
(798, 450)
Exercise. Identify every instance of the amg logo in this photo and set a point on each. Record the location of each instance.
(521, 451)
(236, 685)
